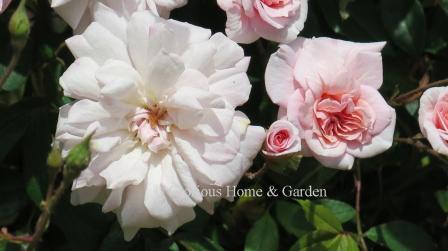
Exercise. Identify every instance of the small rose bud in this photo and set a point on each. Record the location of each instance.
(19, 27)
(282, 139)
(54, 159)
(78, 159)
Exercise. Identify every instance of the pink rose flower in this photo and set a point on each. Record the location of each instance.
(282, 139)
(329, 88)
(276, 20)
(3, 5)
(433, 118)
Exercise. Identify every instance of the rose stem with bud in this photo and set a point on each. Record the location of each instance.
(76, 161)
(19, 28)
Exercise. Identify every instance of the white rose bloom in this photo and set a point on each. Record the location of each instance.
(80, 13)
(161, 99)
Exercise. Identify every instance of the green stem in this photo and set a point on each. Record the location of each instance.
(10, 68)
(42, 222)
(358, 187)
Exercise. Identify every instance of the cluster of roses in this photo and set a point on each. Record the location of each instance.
(161, 97)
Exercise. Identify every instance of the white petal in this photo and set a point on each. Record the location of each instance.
(88, 194)
(238, 27)
(133, 214)
(130, 169)
(163, 73)
(120, 81)
(156, 201)
(113, 201)
(172, 187)
(71, 11)
(233, 83)
(78, 81)
(186, 178)
(228, 52)
(99, 44)
(109, 18)
(216, 122)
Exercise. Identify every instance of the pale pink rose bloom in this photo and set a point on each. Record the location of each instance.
(3, 5)
(79, 13)
(433, 118)
(329, 88)
(275, 20)
(282, 139)
(161, 97)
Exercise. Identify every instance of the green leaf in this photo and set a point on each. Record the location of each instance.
(198, 243)
(343, 211)
(3, 245)
(321, 217)
(285, 165)
(444, 5)
(14, 81)
(263, 235)
(322, 240)
(405, 21)
(412, 107)
(315, 241)
(347, 243)
(401, 236)
(292, 218)
(34, 191)
(442, 199)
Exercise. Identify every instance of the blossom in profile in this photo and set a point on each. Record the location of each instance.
(160, 97)
(329, 89)
(433, 118)
(275, 20)
(282, 139)
(3, 5)
(80, 13)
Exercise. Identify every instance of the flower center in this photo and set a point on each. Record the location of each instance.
(342, 118)
(151, 126)
(275, 3)
(441, 118)
(281, 138)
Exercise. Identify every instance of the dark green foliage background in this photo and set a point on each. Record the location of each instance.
(403, 187)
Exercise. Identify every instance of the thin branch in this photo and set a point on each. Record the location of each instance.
(258, 173)
(5, 235)
(415, 142)
(358, 186)
(42, 222)
(10, 68)
(416, 93)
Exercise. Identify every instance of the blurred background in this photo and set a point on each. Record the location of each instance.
(404, 203)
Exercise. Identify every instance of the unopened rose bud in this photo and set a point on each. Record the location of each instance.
(54, 159)
(282, 139)
(19, 27)
(78, 159)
